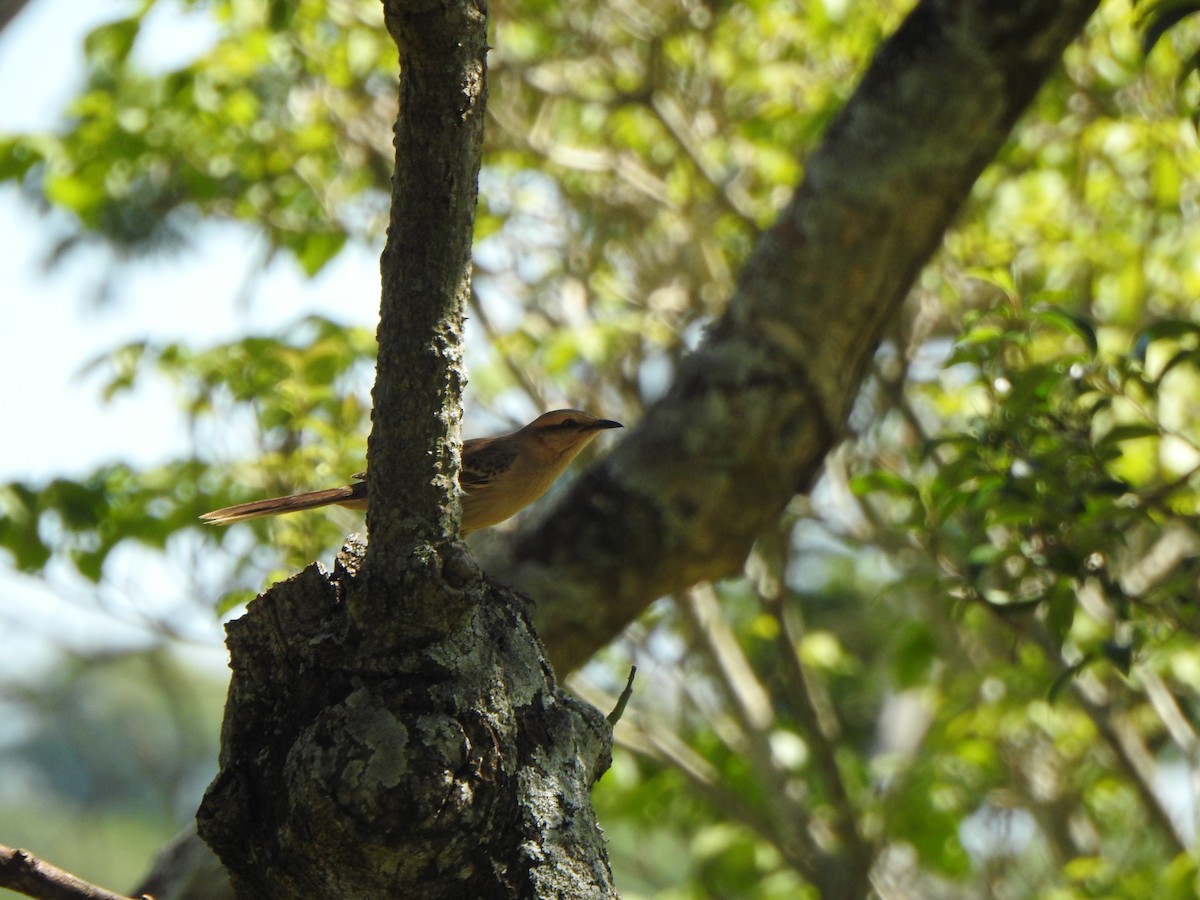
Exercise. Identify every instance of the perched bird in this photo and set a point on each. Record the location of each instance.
(500, 475)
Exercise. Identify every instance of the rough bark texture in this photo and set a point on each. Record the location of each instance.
(754, 411)
(394, 730)
(453, 770)
(413, 454)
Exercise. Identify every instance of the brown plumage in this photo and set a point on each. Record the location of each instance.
(500, 476)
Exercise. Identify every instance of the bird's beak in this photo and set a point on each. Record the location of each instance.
(606, 423)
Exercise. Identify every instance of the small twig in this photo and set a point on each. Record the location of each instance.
(24, 873)
(624, 166)
(653, 742)
(518, 374)
(619, 710)
(1132, 756)
(667, 111)
(820, 726)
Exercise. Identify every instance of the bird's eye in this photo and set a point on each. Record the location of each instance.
(568, 423)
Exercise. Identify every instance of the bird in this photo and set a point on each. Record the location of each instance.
(500, 475)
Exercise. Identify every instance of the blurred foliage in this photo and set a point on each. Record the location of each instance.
(104, 756)
(967, 665)
(1160, 16)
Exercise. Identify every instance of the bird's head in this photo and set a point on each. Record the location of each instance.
(567, 431)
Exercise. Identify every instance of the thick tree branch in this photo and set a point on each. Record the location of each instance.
(754, 411)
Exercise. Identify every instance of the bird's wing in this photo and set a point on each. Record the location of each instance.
(483, 460)
(482, 463)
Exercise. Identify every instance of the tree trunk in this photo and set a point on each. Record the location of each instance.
(394, 729)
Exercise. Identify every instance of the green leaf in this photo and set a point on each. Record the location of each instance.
(1189, 357)
(111, 43)
(915, 652)
(1064, 677)
(1160, 17)
(986, 554)
(233, 600)
(17, 157)
(19, 533)
(884, 482)
(314, 249)
(1060, 612)
(81, 506)
(1160, 330)
(1071, 322)
(1121, 433)
(1120, 655)
(280, 14)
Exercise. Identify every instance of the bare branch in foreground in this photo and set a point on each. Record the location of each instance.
(619, 710)
(24, 873)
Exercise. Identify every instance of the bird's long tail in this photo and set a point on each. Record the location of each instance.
(352, 495)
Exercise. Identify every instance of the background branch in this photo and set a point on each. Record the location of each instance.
(753, 411)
